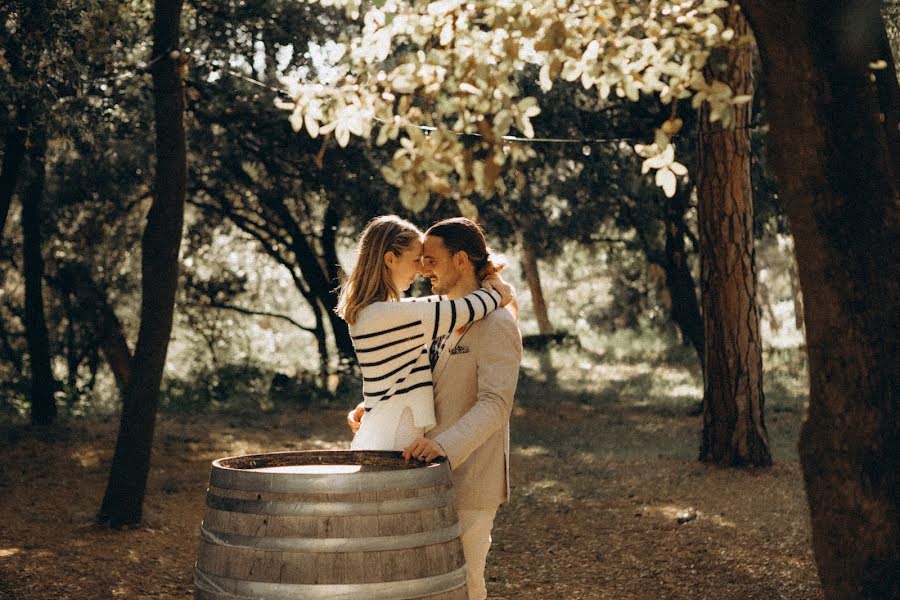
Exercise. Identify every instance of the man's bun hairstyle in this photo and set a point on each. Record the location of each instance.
(460, 234)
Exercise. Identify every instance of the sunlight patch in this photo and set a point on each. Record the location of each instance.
(87, 458)
(685, 390)
(671, 512)
(531, 451)
(549, 489)
(7, 552)
(651, 427)
(311, 469)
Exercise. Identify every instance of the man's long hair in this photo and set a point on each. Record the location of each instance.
(370, 280)
(460, 234)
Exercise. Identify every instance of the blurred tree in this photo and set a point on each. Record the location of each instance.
(66, 80)
(292, 194)
(583, 191)
(834, 106)
(43, 403)
(87, 303)
(734, 429)
(124, 497)
(35, 67)
(10, 169)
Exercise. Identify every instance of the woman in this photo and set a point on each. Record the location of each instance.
(392, 337)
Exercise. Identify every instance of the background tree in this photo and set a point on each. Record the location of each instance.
(734, 429)
(123, 501)
(295, 196)
(63, 79)
(834, 106)
(38, 67)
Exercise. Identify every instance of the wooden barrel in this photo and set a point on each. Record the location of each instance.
(335, 525)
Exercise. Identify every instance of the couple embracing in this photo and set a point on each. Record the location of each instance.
(439, 372)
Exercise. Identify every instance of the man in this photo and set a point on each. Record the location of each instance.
(475, 371)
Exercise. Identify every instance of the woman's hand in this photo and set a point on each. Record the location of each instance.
(354, 417)
(506, 291)
(423, 449)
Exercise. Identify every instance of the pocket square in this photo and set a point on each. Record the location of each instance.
(459, 349)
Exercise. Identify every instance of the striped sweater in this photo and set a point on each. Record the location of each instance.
(392, 341)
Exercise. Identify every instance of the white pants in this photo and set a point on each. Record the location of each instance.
(476, 528)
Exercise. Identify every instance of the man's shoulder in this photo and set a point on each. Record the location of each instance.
(497, 320)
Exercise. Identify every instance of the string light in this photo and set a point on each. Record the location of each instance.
(585, 142)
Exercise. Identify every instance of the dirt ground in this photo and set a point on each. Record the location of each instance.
(598, 488)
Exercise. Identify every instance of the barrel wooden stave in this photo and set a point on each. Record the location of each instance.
(330, 567)
(328, 527)
(284, 541)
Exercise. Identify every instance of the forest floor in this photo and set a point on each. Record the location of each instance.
(602, 468)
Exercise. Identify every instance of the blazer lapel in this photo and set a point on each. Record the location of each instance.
(444, 356)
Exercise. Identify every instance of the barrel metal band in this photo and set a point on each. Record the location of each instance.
(361, 544)
(388, 590)
(261, 481)
(329, 509)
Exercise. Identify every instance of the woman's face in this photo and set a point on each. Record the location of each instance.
(406, 266)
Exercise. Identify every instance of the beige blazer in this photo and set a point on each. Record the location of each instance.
(474, 383)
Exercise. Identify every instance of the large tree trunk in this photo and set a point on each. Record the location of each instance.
(533, 278)
(684, 306)
(734, 431)
(43, 406)
(13, 157)
(123, 501)
(836, 149)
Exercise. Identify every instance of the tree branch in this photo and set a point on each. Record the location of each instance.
(256, 313)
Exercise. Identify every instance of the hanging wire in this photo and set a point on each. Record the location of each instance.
(427, 128)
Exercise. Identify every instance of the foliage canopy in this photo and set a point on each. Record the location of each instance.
(443, 78)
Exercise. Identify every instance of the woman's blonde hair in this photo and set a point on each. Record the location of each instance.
(370, 280)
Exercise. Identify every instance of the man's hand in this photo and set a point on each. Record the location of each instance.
(506, 291)
(424, 450)
(354, 417)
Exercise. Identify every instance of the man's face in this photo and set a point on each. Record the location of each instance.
(438, 265)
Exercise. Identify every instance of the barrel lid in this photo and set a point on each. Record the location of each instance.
(323, 471)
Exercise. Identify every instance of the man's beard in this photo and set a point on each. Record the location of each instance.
(442, 286)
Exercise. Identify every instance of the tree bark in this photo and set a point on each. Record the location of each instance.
(123, 501)
(533, 278)
(43, 405)
(13, 157)
(734, 431)
(836, 149)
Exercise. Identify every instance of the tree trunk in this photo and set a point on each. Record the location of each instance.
(13, 155)
(835, 146)
(123, 501)
(685, 308)
(333, 275)
(91, 304)
(533, 278)
(43, 405)
(73, 358)
(319, 287)
(318, 280)
(796, 292)
(734, 430)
